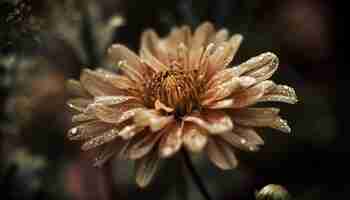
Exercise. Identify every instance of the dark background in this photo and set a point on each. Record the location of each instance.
(42, 44)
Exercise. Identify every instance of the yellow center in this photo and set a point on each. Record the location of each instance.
(174, 88)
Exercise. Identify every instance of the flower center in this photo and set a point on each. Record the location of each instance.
(176, 89)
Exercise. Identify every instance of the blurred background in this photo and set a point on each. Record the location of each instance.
(43, 43)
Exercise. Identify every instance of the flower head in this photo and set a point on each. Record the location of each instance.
(178, 93)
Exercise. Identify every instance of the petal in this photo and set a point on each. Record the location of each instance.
(221, 154)
(149, 41)
(79, 104)
(128, 61)
(193, 139)
(220, 36)
(260, 67)
(152, 119)
(214, 121)
(97, 84)
(113, 100)
(280, 93)
(101, 139)
(227, 88)
(118, 81)
(243, 138)
(116, 114)
(142, 144)
(129, 131)
(202, 34)
(251, 95)
(146, 168)
(152, 62)
(83, 117)
(107, 152)
(260, 117)
(224, 54)
(171, 142)
(75, 88)
(88, 130)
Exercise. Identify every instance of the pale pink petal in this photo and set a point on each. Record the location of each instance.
(158, 105)
(152, 62)
(214, 121)
(88, 130)
(220, 36)
(260, 117)
(221, 154)
(171, 142)
(193, 139)
(152, 119)
(146, 168)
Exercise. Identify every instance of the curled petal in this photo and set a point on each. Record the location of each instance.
(101, 139)
(221, 57)
(215, 122)
(158, 105)
(146, 168)
(88, 130)
(280, 93)
(171, 142)
(79, 104)
(193, 139)
(83, 117)
(129, 131)
(260, 67)
(221, 154)
(75, 88)
(152, 119)
(260, 117)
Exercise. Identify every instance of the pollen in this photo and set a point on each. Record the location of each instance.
(174, 88)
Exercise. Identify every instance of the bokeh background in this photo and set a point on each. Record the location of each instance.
(43, 43)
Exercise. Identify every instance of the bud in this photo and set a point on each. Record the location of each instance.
(273, 192)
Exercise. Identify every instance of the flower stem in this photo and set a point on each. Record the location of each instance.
(195, 176)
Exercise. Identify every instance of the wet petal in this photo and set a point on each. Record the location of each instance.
(193, 139)
(107, 152)
(280, 93)
(83, 117)
(227, 88)
(116, 114)
(171, 142)
(251, 95)
(261, 117)
(214, 121)
(146, 168)
(221, 154)
(88, 130)
(152, 119)
(101, 139)
(260, 67)
(79, 104)
(243, 138)
(129, 131)
(97, 85)
(128, 62)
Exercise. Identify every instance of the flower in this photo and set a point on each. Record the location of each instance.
(179, 93)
